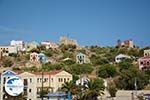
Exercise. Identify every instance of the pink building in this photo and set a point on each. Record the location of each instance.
(144, 63)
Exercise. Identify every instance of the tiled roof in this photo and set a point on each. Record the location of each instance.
(53, 72)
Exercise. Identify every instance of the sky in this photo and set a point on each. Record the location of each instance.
(90, 22)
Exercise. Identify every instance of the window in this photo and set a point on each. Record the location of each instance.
(146, 54)
(4, 80)
(29, 90)
(25, 82)
(141, 63)
(68, 79)
(30, 80)
(45, 79)
(25, 89)
(38, 80)
(59, 80)
(148, 63)
(64, 79)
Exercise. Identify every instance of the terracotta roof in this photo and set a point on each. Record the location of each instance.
(53, 72)
(17, 71)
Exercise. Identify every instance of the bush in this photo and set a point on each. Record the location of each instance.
(127, 79)
(7, 62)
(107, 71)
(81, 69)
(112, 89)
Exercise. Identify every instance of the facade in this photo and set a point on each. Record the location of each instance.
(6, 50)
(121, 57)
(30, 90)
(82, 58)
(126, 43)
(144, 63)
(52, 81)
(83, 81)
(146, 53)
(49, 44)
(20, 45)
(42, 57)
(34, 57)
(67, 41)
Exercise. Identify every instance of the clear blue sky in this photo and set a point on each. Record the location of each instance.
(91, 22)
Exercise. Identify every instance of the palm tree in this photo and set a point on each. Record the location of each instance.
(69, 87)
(94, 88)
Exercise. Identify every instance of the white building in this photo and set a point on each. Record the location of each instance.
(6, 50)
(82, 58)
(34, 57)
(146, 53)
(82, 81)
(19, 44)
(121, 57)
(49, 44)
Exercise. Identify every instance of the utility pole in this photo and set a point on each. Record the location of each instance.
(42, 83)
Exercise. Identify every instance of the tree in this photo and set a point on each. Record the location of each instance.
(69, 87)
(80, 69)
(49, 66)
(107, 71)
(69, 62)
(97, 60)
(126, 64)
(127, 79)
(112, 89)
(94, 88)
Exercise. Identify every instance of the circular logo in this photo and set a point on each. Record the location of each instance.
(14, 86)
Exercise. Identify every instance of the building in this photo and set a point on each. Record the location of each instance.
(127, 43)
(34, 57)
(67, 41)
(20, 45)
(121, 57)
(146, 53)
(49, 44)
(82, 81)
(41, 57)
(82, 58)
(52, 81)
(144, 63)
(6, 50)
